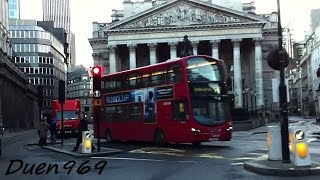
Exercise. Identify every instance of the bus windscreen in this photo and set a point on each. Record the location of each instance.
(203, 69)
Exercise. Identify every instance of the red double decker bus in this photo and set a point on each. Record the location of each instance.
(181, 100)
(71, 116)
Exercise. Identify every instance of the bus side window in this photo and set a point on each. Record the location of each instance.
(158, 78)
(133, 81)
(180, 110)
(175, 74)
(135, 112)
(146, 80)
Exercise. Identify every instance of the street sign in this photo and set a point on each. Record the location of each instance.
(299, 135)
(97, 94)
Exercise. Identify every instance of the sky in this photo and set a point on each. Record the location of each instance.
(84, 12)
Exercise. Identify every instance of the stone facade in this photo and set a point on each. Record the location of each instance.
(222, 31)
(18, 99)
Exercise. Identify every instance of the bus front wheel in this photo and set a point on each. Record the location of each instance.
(108, 136)
(159, 137)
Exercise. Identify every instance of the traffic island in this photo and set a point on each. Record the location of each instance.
(277, 168)
(68, 150)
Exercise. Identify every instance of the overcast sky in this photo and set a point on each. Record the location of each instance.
(84, 12)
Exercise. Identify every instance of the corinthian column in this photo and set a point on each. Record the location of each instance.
(215, 48)
(112, 58)
(132, 50)
(259, 73)
(173, 49)
(237, 73)
(153, 54)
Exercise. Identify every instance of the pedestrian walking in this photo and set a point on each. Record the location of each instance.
(43, 132)
(83, 127)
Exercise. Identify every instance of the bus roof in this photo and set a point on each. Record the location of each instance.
(167, 62)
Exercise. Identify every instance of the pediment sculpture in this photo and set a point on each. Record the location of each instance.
(183, 14)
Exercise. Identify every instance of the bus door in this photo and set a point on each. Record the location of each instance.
(164, 116)
(172, 119)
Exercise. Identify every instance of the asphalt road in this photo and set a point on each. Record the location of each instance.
(140, 161)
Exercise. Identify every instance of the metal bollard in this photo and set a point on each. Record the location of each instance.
(274, 143)
(299, 146)
(86, 142)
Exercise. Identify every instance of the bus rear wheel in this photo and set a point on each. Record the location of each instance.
(108, 136)
(159, 137)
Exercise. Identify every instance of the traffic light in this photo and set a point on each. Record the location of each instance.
(97, 73)
(61, 94)
(40, 93)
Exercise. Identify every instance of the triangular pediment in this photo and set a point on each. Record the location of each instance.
(184, 13)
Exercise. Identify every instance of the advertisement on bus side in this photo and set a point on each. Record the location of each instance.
(147, 96)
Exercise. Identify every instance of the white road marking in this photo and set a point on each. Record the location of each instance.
(235, 164)
(315, 162)
(138, 159)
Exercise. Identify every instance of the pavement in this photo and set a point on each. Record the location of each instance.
(264, 166)
(18, 133)
(69, 144)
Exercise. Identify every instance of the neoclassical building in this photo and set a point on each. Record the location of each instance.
(150, 32)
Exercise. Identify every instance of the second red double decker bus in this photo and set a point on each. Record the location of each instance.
(182, 101)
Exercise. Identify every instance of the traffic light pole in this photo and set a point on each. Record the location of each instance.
(97, 110)
(62, 125)
(283, 96)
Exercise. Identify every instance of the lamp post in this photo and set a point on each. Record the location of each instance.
(283, 94)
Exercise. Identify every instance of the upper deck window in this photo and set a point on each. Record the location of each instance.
(203, 69)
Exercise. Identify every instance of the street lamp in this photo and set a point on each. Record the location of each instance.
(278, 59)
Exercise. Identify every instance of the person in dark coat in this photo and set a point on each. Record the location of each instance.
(43, 132)
(83, 127)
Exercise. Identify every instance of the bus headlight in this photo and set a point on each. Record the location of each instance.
(229, 128)
(195, 130)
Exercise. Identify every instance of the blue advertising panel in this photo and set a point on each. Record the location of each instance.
(119, 98)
